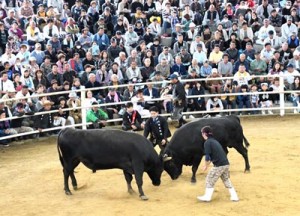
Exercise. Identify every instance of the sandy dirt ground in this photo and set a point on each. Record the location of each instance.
(31, 181)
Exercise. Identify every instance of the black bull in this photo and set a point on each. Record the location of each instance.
(108, 149)
(187, 144)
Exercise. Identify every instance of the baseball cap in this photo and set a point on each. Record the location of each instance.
(173, 76)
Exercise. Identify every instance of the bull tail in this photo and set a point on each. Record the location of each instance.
(247, 144)
(58, 149)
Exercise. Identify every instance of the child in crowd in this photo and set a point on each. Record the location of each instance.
(265, 99)
(254, 97)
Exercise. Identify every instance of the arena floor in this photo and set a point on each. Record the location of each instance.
(31, 181)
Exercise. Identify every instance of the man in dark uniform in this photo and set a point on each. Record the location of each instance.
(179, 100)
(215, 153)
(158, 128)
(132, 119)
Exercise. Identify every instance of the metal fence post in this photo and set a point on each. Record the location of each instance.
(83, 111)
(281, 96)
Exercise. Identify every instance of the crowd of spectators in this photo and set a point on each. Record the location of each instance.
(57, 46)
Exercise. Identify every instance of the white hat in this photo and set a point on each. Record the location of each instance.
(192, 25)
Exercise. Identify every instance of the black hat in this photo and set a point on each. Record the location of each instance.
(20, 105)
(271, 32)
(199, 45)
(118, 32)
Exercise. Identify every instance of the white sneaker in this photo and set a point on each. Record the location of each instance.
(270, 112)
(263, 112)
(184, 117)
(169, 119)
(191, 117)
(295, 111)
(207, 116)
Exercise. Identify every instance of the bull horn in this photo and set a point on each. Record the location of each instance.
(166, 158)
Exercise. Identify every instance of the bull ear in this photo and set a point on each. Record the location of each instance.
(166, 158)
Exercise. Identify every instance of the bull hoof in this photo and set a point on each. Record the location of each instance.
(143, 197)
(68, 193)
(130, 191)
(75, 187)
(193, 180)
(247, 171)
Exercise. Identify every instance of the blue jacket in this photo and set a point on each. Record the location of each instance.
(180, 69)
(102, 41)
(155, 92)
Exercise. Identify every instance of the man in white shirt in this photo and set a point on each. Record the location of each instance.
(242, 76)
(267, 53)
(289, 76)
(274, 40)
(287, 28)
(139, 101)
(262, 34)
(200, 55)
(5, 83)
(194, 44)
(50, 29)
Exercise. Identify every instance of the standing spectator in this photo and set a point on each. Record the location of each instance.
(179, 100)
(265, 99)
(45, 120)
(214, 105)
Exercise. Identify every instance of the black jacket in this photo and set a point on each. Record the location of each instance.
(128, 118)
(44, 121)
(157, 127)
(179, 96)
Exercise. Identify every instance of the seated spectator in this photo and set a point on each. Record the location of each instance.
(258, 66)
(289, 76)
(198, 103)
(229, 101)
(45, 121)
(11, 94)
(214, 86)
(113, 96)
(5, 129)
(242, 60)
(54, 88)
(46, 66)
(295, 97)
(24, 93)
(213, 105)
(132, 119)
(139, 102)
(152, 93)
(40, 79)
(63, 115)
(34, 35)
(275, 87)
(254, 98)
(115, 82)
(5, 83)
(19, 124)
(243, 100)
(133, 72)
(242, 76)
(97, 116)
(265, 99)
(26, 80)
(74, 102)
(164, 68)
(17, 83)
(215, 56)
(129, 92)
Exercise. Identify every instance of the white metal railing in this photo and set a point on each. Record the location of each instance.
(83, 109)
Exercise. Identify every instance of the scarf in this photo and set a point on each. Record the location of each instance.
(116, 97)
(65, 42)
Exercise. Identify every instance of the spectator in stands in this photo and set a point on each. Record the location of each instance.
(265, 98)
(215, 56)
(113, 96)
(214, 86)
(289, 76)
(5, 129)
(274, 40)
(178, 67)
(74, 102)
(45, 121)
(225, 66)
(262, 34)
(232, 52)
(19, 124)
(97, 116)
(243, 100)
(288, 28)
(200, 55)
(132, 119)
(214, 105)
(168, 56)
(258, 66)
(242, 60)
(242, 76)
(38, 54)
(229, 101)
